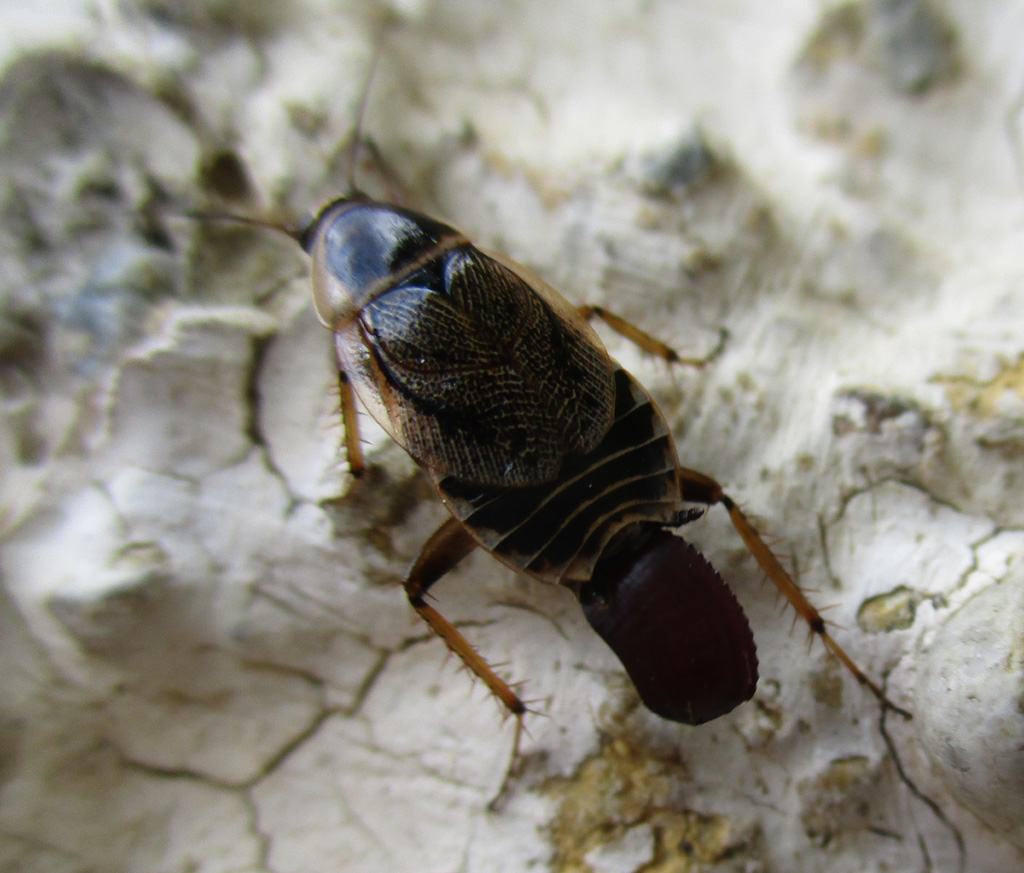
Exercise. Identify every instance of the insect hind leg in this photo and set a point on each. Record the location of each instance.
(699, 488)
(448, 545)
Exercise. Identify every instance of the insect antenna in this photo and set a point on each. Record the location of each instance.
(291, 229)
(357, 131)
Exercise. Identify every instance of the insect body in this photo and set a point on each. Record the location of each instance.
(547, 453)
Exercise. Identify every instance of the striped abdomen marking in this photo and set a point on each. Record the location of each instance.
(557, 531)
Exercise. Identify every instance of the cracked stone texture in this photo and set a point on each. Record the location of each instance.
(208, 662)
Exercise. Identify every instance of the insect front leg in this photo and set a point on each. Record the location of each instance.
(448, 545)
(698, 488)
(645, 341)
(350, 420)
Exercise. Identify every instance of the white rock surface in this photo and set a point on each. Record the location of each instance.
(208, 662)
(973, 726)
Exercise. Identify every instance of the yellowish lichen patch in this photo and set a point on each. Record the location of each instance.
(839, 35)
(838, 798)
(622, 786)
(827, 685)
(893, 610)
(983, 399)
(690, 840)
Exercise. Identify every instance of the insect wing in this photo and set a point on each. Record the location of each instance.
(476, 374)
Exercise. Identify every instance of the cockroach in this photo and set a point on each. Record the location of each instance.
(546, 452)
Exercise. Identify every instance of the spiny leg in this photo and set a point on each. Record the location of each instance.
(448, 545)
(647, 342)
(699, 488)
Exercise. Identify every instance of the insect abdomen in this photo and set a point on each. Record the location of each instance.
(558, 530)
